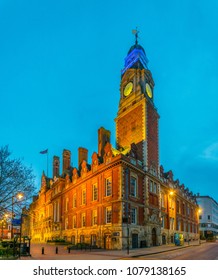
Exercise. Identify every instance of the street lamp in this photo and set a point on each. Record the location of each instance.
(169, 206)
(199, 211)
(19, 196)
(126, 218)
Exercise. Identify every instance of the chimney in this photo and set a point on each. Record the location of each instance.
(82, 155)
(56, 166)
(103, 138)
(66, 160)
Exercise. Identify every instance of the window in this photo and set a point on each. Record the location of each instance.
(82, 238)
(208, 217)
(83, 220)
(192, 213)
(178, 224)
(133, 216)
(155, 188)
(162, 221)
(84, 196)
(108, 215)
(108, 186)
(56, 210)
(66, 204)
(172, 223)
(152, 186)
(94, 192)
(200, 217)
(94, 217)
(188, 210)
(189, 227)
(66, 223)
(133, 186)
(183, 209)
(162, 200)
(93, 239)
(74, 200)
(177, 206)
(73, 239)
(74, 221)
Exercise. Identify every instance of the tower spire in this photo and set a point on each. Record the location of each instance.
(136, 32)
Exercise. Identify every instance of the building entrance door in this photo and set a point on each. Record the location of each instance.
(135, 240)
(73, 239)
(107, 241)
(164, 241)
(93, 239)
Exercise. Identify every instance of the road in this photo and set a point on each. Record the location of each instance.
(207, 251)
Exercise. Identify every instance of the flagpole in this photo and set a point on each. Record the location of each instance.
(47, 164)
(45, 152)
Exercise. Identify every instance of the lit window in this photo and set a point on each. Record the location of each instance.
(66, 223)
(83, 196)
(67, 204)
(162, 200)
(108, 215)
(108, 186)
(74, 200)
(74, 221)
(83, 220)
(94, 217)
(94, 192)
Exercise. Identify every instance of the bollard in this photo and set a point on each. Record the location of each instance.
(68, 249)
(56, 250)
(43, 250)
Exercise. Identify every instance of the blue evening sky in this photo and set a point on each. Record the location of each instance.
(60, 64)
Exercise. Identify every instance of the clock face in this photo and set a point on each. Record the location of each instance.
(148, 90)
(128, 89)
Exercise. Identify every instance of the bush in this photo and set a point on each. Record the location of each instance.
(82, 246)
(56, 241)
(211, 239)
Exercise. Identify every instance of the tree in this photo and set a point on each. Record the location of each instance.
(15, 178)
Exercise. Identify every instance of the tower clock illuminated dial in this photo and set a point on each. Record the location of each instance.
(148, 90)
(128, 89)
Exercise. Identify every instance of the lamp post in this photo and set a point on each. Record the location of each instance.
(12, 217)
(127, 206)
(199, 212)
(171, 193)
(18, 196)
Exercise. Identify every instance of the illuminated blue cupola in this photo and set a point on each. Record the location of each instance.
(136, 57)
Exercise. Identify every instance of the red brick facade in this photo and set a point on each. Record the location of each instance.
(122, 197)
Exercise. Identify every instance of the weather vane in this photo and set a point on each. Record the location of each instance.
(136, 32)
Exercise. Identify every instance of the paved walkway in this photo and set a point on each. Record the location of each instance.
(53, 252)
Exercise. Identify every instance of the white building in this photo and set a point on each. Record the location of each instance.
(208, 216)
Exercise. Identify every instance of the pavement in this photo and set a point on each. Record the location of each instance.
(60, 252)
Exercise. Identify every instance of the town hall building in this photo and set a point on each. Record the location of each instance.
(123, 198)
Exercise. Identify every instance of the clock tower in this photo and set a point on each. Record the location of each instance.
(137, 117)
